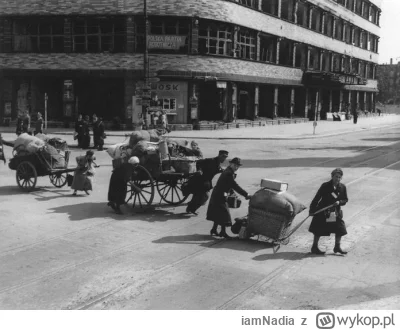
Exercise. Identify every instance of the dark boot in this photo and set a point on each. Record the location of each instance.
(315, 250)
(213, 231)
(337, 249)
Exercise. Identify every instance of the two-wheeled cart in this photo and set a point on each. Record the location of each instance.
(29, 166)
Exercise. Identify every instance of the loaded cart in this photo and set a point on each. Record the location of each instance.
(157, 171)
(31, 160)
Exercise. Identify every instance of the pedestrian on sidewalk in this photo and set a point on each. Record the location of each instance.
(39, 124)
(355, 114)
(119, 180)
(86, 133)
(78, 135)
(202, 184)
(84, 173)
(98, 133)
(331, 220)
(218, 210)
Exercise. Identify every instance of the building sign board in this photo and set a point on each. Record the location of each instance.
(158, 41)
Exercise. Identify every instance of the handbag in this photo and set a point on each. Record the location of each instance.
(233, 200)
(70, 179)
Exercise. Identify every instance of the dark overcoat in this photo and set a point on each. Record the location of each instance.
(98, 131)
(118, 183)
(218, 210)
(328, 195)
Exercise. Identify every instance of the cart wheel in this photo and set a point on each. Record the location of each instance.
(58, 179)
(143, 196)
(170, 190)
(26, 176)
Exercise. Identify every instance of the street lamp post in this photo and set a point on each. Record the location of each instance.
(145, 62)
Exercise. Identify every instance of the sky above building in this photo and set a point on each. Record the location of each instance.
(390, 32)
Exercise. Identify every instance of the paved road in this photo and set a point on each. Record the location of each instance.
(63, 252)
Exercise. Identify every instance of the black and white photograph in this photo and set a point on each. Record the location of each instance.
(201, 155)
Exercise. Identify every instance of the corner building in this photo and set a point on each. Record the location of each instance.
(217, 60)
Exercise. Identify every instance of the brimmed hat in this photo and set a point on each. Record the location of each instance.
(223, 153)
(236, 161)
(337, 170)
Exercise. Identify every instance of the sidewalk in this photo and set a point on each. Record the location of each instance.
(269, 132)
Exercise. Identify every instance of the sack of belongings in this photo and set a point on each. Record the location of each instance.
(28, 143)
(272, 212)
(119, 150)
(53, 157)
(152, 135)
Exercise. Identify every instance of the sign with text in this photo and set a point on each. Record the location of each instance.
(158, 41)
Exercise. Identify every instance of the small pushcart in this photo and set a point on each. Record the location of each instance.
(29, 166)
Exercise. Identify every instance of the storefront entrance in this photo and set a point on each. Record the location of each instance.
(211, 102)
(103, 97)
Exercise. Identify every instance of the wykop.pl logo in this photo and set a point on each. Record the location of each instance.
(325, 321)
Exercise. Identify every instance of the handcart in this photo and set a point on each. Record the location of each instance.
(29, 166)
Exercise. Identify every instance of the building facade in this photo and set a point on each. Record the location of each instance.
(216, 60)
(388, 76)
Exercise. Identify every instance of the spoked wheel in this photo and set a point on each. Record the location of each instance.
(170, 190)
(142, 194)
(26, 176)
(58, 179)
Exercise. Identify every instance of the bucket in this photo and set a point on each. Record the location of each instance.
(163, 149)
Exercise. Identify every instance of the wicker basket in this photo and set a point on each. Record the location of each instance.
(271, 225)
(183, 165)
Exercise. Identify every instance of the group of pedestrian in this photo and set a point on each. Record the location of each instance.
(24, 124)
(82, 132)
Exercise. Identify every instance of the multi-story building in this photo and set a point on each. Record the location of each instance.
(388, 76)
(216, 59)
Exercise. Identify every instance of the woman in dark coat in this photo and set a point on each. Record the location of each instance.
(79, 130)
(331, 220)
(98, 133)
(218, 210)
(118, 184)
(86, 133)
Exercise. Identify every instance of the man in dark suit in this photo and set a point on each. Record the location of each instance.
(202, 184)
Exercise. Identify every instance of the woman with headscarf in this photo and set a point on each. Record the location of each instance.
(84, 173)
(218, 210)
(119, 180)
(331, 220)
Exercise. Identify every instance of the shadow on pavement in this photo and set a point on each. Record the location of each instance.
(286, 256)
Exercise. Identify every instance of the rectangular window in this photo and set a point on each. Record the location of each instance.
(215, 39)
(270, 7)
(94, 35)
(249, 3)
(169, 104)
(38, 35)
(246, 44)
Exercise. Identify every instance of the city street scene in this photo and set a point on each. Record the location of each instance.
(199, 155)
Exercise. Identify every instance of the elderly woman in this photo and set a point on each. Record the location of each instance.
(331, 220)
(118, 187)
(218, 210)
(84, 173)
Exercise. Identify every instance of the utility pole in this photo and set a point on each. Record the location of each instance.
(145, 62)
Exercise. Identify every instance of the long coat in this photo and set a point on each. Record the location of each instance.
(202, 184)
(118, 183)
(83, 175)
(328, 195)
(218, 210)
(98, 131)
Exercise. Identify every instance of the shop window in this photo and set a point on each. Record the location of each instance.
(302, 14)
(38, 35)
(249, 3)
(94, 35)
(215, 39)
(268, 48)
(246, 44)
(270, 7)
(169, 104)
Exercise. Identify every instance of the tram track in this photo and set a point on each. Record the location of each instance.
(110, 293)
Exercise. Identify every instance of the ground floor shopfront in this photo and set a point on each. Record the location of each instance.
(111, 94)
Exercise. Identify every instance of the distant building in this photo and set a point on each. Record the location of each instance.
(216, 59)
(388, 76)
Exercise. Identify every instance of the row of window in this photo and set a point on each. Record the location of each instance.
(98, 35)
(312, 17)
(287, 9)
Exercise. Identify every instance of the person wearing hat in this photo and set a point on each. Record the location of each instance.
(202, 184)
(218, 210)
(119, 180)
(98, 133)
(329, 221)
(84, 173)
